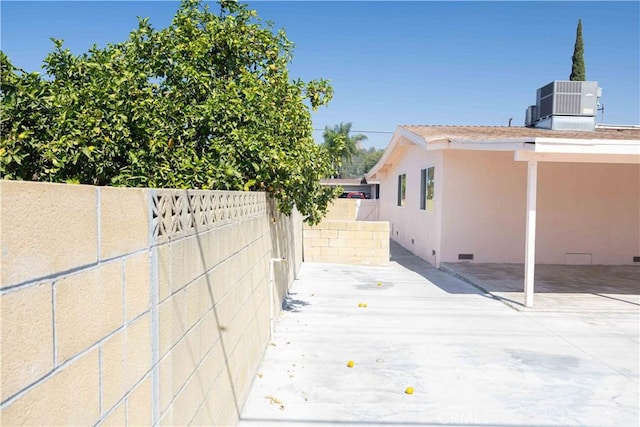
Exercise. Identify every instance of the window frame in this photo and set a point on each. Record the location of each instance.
(402, 190)
(427, 188)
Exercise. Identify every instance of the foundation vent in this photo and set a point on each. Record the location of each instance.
(636, 259)
(465, 257)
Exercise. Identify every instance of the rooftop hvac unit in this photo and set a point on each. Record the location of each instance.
(531, 116)
(567, 98)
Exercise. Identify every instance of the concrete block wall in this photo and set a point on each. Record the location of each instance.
(212, 304)
(135, 306)
(347, 242)
(342, 210)
(287, 245)
(353, 210)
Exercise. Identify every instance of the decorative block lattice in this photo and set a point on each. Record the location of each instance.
(178, 213)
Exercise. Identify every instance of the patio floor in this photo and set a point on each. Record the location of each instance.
(471, 360)
(593, 288)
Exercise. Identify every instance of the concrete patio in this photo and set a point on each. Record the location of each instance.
(472, 360)
(580, 288)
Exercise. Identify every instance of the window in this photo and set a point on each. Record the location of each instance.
(426, 189)
(402, 189)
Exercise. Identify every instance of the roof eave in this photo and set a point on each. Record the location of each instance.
(399, 133)
(568, 146)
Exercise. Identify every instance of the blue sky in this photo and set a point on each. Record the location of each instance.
(393, 63)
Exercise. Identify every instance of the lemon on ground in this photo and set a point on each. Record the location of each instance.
(379, 283)
(350, 363)
(409, 390)
(359, 304)
(364, 305)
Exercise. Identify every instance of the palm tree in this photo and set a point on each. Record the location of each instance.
(342, 145)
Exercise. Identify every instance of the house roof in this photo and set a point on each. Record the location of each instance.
(617, 144)
(479, 133)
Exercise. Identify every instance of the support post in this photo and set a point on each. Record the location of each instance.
(530, 249)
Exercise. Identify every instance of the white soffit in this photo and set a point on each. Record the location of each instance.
(526, 155)
(551, 146)
(587, 146)
(581, 151)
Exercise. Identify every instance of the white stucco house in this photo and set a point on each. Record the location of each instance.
(513, 195)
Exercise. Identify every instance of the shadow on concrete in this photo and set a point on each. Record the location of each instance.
(439, 278)
(292, 304)
(554, 278)
(505, 282)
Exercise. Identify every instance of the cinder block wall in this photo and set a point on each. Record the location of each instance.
(134, 306)
(353, 210)
(347, 242)
(342, 210)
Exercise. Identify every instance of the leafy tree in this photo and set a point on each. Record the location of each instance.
(371, 157)
(578, 71)
(205, 103)
(341, 145)
(355, 167)
(361, 162)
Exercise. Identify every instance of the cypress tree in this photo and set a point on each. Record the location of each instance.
(578, 72)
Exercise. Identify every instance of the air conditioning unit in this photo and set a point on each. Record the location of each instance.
(568, 98)
(565, 105)
(531, 116)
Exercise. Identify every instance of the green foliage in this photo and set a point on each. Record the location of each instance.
(341, 146)
(204, 103)
(578, 72)
(361, 162)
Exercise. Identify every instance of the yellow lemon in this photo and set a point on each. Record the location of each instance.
(379, 283)
(359, 304)
(409, 390)
(350, 363)
(364, 305)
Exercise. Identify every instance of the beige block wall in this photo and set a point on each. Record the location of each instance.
(342, 210)
(347, 242)
(56, 219)
(353, 210)
(208, 317)
(138, 307)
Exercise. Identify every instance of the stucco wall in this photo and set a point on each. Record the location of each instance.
(484, 197)
(588, 208)
(480, 202)
(136, 306)
(583, 208)
(415, 229)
